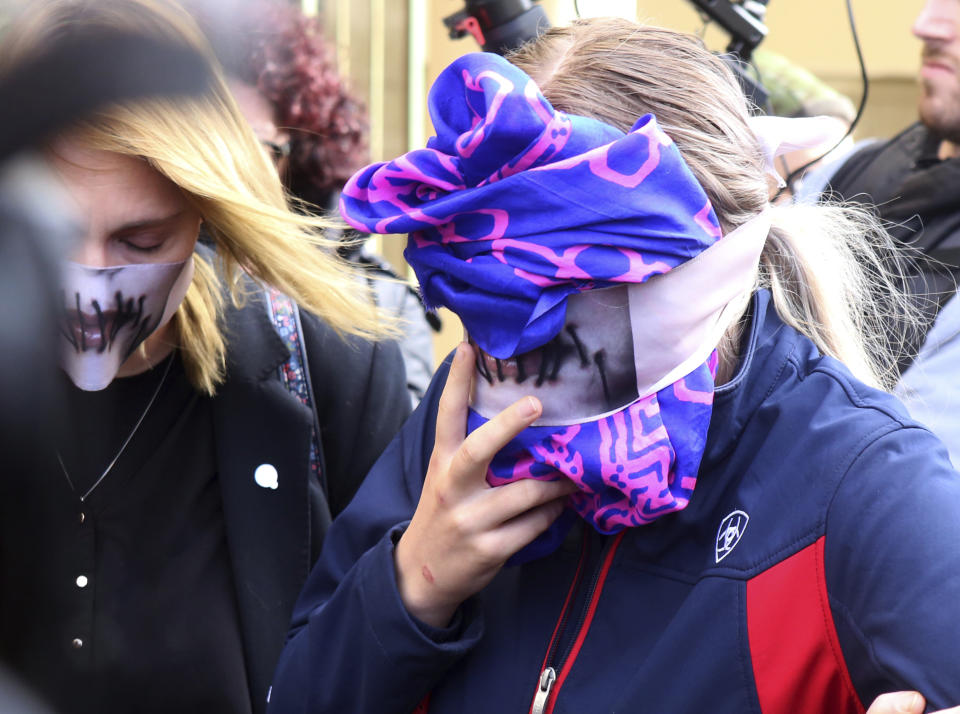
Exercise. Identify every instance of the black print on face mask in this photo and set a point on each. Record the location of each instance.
(98, 330)
(544, 363)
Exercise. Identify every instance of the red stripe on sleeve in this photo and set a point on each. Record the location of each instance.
(797, 662)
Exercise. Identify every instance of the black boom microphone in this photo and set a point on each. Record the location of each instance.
(498, 25)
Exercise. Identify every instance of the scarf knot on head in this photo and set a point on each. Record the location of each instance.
(514, 206)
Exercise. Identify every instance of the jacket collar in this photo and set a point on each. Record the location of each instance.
(257, 421)
(765, 350)
(768, 346)
(258, 358)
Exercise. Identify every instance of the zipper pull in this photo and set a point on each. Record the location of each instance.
(547, 678)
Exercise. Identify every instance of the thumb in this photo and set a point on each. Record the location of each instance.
(897, 703)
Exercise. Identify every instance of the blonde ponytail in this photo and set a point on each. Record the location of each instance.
(836, 277)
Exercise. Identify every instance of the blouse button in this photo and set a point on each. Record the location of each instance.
(77, 643)
(82, 517)
(82, 581)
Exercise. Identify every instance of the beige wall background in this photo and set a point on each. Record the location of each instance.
(812, 33)
(394, 49)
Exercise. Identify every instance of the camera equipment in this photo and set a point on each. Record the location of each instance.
(502, 25)
(498, 25)
(743, 21)
(78, 74)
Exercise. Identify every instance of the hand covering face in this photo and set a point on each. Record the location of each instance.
(514, 209)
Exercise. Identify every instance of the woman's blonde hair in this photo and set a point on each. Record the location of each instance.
(831, 269)
(204, 146)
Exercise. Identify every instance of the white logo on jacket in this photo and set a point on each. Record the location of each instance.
(730, 532)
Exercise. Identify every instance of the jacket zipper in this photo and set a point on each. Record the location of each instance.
(547, 678)
(549, 675)
(556, 667)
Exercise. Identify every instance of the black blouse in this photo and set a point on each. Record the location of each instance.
(124, 601)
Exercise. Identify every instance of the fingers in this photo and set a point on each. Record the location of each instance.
(521, 530)
(471, 459)
(452, 409)
(897, 703)
(903, 703)
(507, 502)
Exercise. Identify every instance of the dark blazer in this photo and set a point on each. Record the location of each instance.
(274, 535)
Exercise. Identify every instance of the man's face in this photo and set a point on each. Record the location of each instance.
(937, 26)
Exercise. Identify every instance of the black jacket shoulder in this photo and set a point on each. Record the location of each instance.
(362, 400)
(274, 534)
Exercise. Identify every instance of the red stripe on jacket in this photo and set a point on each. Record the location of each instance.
(585, 627)
(797, 663)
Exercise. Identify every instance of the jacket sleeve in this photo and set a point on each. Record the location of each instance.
(352, 646)
(929, 388)
(892, 565)
(362, 401)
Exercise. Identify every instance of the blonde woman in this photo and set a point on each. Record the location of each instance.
(152, 564)
(661, 477)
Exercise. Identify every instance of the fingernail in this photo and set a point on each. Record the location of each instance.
(910, 702)
(529, 407)
(461, 353)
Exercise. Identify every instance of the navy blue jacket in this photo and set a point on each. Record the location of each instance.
(817, 565)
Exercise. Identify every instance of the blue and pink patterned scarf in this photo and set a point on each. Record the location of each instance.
(512, 208)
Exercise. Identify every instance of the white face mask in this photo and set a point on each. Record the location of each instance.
(585, 371)
(623, 343)
(109, 312)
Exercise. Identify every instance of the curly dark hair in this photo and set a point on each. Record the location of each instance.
(276, 48)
